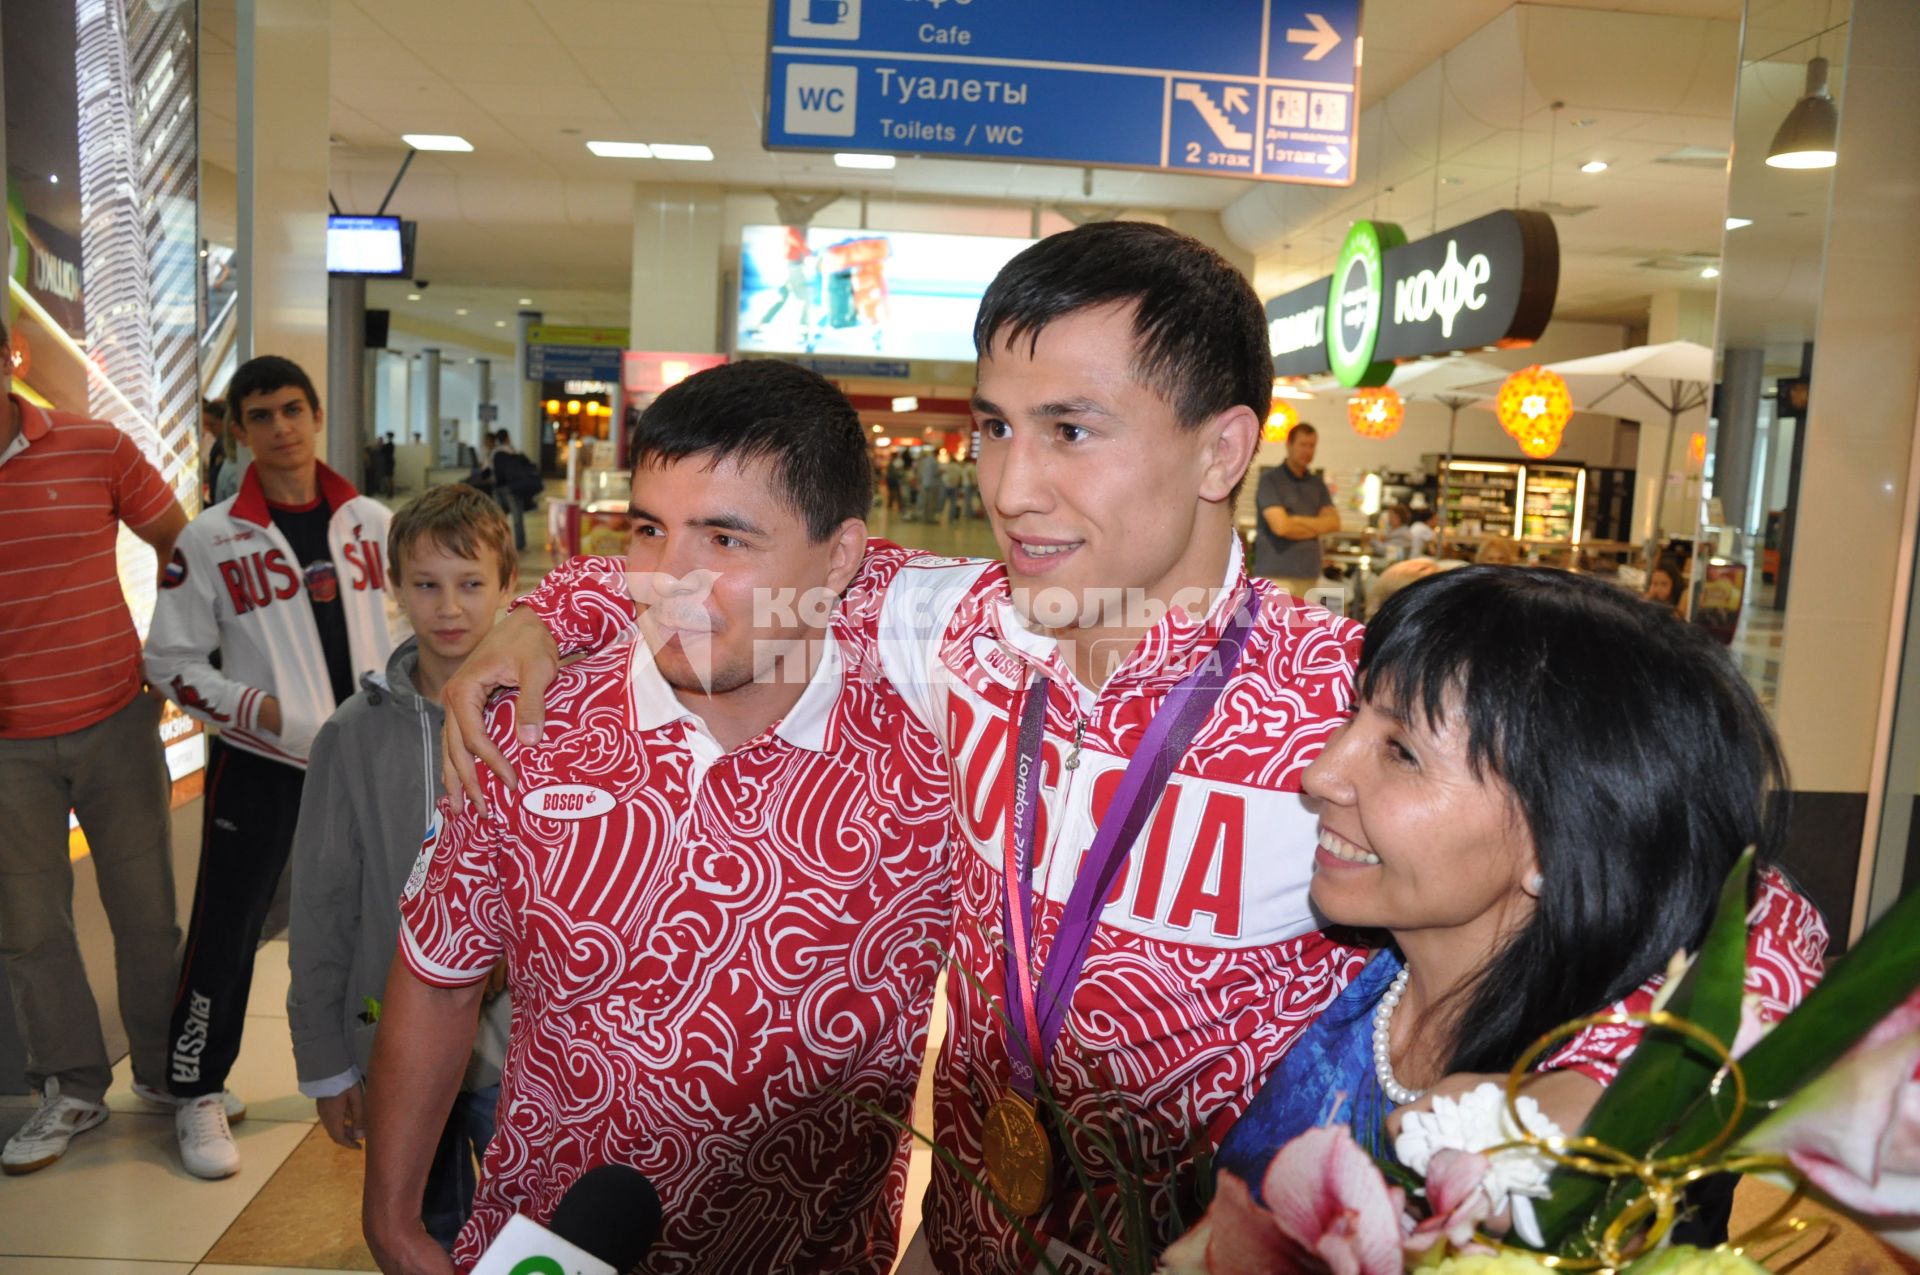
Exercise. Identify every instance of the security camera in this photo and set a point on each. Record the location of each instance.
(422, 283)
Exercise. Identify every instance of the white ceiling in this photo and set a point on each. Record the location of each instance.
(531, 212)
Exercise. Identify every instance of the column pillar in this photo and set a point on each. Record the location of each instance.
(283, 155)
(430, 369)
(346, 373)
(525, 423)
(483, 399)
(1845, 632)
(677, 233)
(1741, 371)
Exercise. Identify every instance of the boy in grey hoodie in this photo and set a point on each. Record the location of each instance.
(372, 783)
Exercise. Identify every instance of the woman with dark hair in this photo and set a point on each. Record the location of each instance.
(1542, 788)
(1663, 583)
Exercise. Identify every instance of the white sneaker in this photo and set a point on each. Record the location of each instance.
(236, 1109)
(44, 1137)
(206, 1144)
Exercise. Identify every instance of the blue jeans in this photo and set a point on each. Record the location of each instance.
(448, 1200)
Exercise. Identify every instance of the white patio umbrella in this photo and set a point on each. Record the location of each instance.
(1442, 381)
(1671, 377)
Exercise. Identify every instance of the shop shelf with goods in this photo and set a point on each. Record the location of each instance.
(1479, 498)
(1552, 502)
(1413, 488)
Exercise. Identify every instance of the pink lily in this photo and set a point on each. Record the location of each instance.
(1458, 1203)
(1329, 1212)
(1329, 1198)
(1855, 1131)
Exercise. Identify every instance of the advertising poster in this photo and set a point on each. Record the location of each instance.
(102, 246)
(874, 293)
(1716, 606)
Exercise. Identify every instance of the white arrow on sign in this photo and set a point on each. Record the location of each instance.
(1216, 119)
(1322, 37)
(1335, 159)
(1235, 98)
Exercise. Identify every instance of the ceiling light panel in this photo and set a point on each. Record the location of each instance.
(675, 150)
(436, 142)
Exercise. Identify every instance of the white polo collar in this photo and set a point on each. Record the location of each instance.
(651, 703)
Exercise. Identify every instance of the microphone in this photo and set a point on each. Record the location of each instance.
(603, 1225)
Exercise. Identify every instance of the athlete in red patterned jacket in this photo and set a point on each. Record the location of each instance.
(720, 889)
(1122, 381)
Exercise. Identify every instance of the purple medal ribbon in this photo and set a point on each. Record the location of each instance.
(1038, 1017)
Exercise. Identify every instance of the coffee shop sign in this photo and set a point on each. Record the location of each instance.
(1490, 282)
(1456, 286)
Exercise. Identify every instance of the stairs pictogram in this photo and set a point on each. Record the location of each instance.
(1223, 128)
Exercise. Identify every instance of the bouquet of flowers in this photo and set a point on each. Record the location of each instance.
(1828, 1098)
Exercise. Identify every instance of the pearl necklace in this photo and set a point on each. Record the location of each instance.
(1398, 1094)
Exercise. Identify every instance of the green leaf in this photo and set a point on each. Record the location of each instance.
(1667, 1072)
(1859, 990)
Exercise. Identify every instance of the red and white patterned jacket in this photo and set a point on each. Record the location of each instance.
(715, 957)
(1208, 960)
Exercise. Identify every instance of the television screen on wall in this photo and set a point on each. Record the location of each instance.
(365, 246)
(864, 293)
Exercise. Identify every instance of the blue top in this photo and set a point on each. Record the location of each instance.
(1326, 1078)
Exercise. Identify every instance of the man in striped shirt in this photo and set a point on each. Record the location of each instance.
(76, 733)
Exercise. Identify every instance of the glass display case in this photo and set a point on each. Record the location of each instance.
(1553, 501)
(1481, 497)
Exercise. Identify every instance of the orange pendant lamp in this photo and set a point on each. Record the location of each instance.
(1280, 421)
(1376, 413)
(1534, 406)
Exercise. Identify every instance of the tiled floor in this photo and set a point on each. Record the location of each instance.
(118, 1203)
(119, 1200)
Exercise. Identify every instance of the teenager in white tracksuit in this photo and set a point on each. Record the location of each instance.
(267, 616)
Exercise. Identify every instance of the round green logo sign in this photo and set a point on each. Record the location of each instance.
(1356, 303)
(538, 1266)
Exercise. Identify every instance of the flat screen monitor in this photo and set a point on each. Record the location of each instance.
(864, 293)
(365, 246)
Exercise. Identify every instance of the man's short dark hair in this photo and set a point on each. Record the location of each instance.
(767, 410)
(1200, 332)
(1301, 428)
(264, 375)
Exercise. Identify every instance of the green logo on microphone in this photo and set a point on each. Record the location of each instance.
(538, 1266)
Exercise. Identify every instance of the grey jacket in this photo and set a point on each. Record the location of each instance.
(372, 781)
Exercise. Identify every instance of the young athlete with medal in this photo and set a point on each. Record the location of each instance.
(1123, 376)
(1018, 1154)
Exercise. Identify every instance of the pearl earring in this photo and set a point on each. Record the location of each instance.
(1535, 882)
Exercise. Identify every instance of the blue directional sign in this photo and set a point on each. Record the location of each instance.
(572, 363)
(1263, 89)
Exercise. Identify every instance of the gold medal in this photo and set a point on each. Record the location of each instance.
(1019, 1158)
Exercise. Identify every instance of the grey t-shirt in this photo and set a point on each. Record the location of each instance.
(1304, 497)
